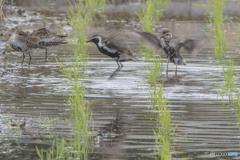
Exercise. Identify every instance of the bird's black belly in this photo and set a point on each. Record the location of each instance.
(110, 54)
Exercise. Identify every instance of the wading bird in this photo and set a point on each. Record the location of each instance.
(111, 47)
(49, 38)
(171, 45)
(26, 42)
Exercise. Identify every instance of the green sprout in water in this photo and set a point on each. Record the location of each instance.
(155, 70)
(164, 131)
(147, 17)
(80, 14)
(220, 41)
(228, 85)
(238, 110)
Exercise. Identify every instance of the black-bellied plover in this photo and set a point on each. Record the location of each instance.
(111, 47)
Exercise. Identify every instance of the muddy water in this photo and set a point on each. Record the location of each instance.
(122, 115)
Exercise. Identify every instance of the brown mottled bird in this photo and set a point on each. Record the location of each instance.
(22, 42)
(110, 46)
(49, 38)
(170, 44)
(25, 42)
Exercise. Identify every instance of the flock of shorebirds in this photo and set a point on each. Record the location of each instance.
(109, 44)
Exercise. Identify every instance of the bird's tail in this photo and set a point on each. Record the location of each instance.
(135, 59)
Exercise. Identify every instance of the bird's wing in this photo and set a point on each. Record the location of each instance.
(39, 32)
(144, 37)
(194, 46)
(31, 42)
(43, 33)
(126, 53)
(116, 45)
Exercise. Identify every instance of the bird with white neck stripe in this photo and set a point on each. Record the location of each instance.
(110, 46)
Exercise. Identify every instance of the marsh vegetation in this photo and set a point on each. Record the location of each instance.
(164, 129)
(76, 146)
(72, 111)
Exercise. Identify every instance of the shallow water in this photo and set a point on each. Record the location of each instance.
(122, 114)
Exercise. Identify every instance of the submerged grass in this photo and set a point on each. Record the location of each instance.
(151, 13)
(220, 41)
(158, 5)
(155, 70)
(95, 5)
(87, 9)
(238, 110)
(147, 18)
(228, 85)
(80, 15)
(163, 132)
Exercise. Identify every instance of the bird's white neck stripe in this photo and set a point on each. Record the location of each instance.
(100, 41)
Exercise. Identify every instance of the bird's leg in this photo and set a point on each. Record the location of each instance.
(45, 54)
(176, 62)
(176, 69)
(30, 58)
(118, 69)
(121, 65)
(23, 58)
(118, 65)
(167, 66)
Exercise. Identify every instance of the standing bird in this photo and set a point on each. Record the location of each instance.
(25, 42)
(49, 38)
(171, 45)
(111, 47)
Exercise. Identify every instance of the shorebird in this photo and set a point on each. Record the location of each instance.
(111, 47)
(170, 44)
(49, 38)
(22, 42)
(26, 42)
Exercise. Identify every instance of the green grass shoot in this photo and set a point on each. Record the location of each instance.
(146, 16)
(220, 41)
(238, 110)
(228, 85)
(164, 131)
(80, 15)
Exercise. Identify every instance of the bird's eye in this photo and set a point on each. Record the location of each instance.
(167, 34)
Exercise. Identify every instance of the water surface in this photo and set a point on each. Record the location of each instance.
(123, 116)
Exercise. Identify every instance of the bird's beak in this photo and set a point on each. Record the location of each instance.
(89, 41)
(162, 37)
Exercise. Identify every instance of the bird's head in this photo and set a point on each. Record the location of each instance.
(95, 39)
(166, 35)
(20, 32)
